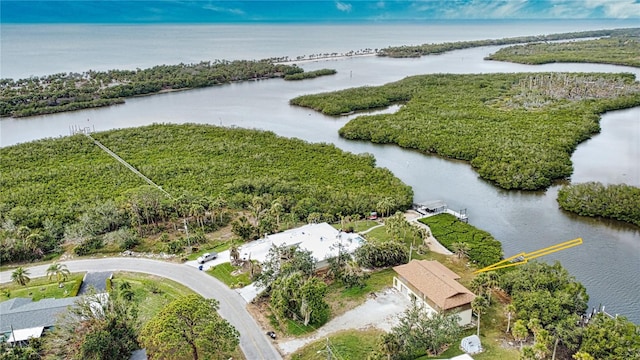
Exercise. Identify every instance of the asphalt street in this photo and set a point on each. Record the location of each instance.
(253, 341)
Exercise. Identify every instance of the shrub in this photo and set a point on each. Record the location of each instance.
(88, 246)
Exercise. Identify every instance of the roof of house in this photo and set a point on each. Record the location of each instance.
(436, 282)
(320, 239)
(23, 313)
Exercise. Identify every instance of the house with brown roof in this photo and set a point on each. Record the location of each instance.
(433, 285)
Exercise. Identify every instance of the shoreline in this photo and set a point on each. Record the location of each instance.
(323, 58)
(434, 245)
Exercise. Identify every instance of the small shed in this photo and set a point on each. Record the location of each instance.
(471, 344)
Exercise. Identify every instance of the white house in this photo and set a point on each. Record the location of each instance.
(321, 240)
(436, 287)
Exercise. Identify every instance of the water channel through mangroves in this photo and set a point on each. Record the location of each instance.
(608, 263)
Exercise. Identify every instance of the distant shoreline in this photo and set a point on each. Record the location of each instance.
(324, 58)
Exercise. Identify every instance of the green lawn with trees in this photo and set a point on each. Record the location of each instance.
(42, 288)
(516, 130)
(615, 201)
(69, 191)
(439, 48)
(75, 91)
(619, 50)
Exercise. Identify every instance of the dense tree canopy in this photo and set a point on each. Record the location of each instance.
(620, 202)
(619, 50)
(379, 255)
(544, 292)
(99, 326)
(310, 74)
(420, 332)
(69, 188)
(426, 49)
(611, 338)
(189, 328)
(73, 91)
(517, 130)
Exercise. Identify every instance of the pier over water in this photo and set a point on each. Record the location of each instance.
(435, 207)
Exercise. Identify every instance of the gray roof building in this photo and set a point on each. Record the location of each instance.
(23, 313)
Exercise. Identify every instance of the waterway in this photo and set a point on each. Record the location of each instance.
(607, 263)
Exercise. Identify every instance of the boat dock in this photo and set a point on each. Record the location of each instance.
(435, 207)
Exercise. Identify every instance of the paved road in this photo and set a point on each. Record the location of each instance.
(253, 342)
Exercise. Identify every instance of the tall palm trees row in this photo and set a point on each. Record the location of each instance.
(56, 270)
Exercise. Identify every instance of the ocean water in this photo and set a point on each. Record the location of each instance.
(607, 263)
(36, 50)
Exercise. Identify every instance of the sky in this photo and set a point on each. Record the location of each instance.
(319, 11)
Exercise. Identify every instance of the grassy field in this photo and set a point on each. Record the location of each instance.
(41, 288)
(151, 293)
(230, 275)
(349, 344)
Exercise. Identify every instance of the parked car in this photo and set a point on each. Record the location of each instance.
(207, 257)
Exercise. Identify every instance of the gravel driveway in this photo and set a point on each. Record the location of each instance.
(380, 312)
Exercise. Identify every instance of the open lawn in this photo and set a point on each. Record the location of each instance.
(150, 292)
(41, 288)
(232, 276)
(349, 344)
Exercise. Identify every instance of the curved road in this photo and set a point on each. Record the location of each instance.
(253, 342)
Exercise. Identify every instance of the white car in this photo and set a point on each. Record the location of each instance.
(207, 257)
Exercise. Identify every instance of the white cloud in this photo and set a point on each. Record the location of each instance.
(223, 9)
(620, 9)
(480, 9)
(380, 5)
(616, 8)
(343, 6)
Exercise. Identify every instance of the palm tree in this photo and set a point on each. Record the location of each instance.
(59, 271)
(519, 331)
(125, 291)
(257, 209)
(511, 310)
(198, 211)
(479, 305)
(478, 284)
(276, 210)
(535, 326)
(567, 332)
(220, 204)
(234, 253)
(356, 218)
(461, 249)
(20, 276)
(385, 205)
(492, 281)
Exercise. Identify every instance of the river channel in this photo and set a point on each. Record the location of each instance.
(608, 263)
